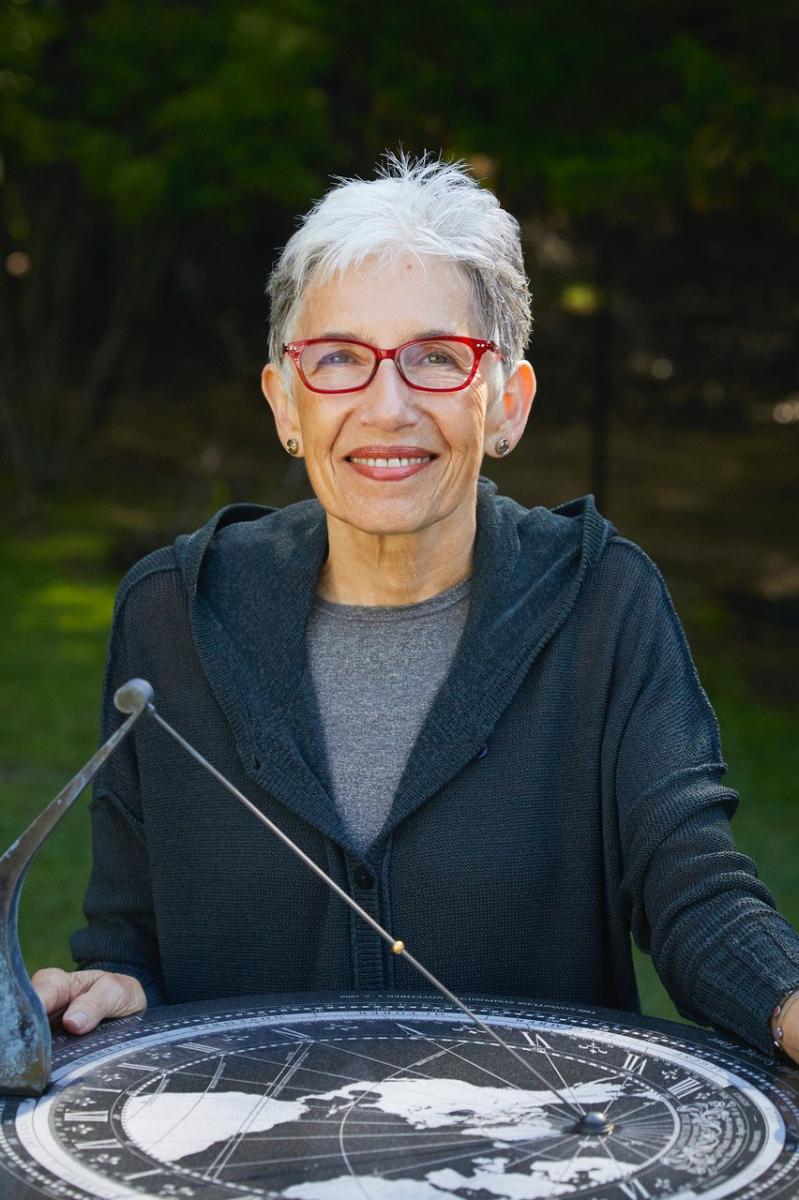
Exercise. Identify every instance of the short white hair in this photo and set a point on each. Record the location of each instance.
(423, 206)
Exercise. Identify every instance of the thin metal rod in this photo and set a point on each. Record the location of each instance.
(14, 863)
(397, 946)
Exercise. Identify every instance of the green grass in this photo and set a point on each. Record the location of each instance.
(56, 596)
(55, 609)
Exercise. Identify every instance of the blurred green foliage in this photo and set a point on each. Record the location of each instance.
(165, 109)
(155, 153)
(171, 108)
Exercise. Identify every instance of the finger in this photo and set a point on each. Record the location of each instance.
(110, 995)
(52, 986)
(57, 989)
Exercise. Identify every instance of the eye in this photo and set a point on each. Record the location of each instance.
(335, 358)
(430, 354)
(440, 360)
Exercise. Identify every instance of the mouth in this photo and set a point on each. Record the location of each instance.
(388, 463)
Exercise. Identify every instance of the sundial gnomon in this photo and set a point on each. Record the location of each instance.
(321, 1098)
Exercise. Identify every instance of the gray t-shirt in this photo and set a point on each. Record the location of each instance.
(376, 670)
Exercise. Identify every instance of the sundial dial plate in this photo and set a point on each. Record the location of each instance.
(398, 1097)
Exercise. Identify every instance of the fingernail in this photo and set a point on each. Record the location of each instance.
(78, 1019)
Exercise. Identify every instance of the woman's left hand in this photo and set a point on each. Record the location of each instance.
(789, 1020)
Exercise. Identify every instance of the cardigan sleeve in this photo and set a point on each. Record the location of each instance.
(120, 934)
(723, 952)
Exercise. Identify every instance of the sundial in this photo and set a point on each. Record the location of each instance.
(398, 1097)
(375, 1096)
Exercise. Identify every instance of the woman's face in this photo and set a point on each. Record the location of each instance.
(452, 430)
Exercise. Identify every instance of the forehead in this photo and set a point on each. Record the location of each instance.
(390, 302)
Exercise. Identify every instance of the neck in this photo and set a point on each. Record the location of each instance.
(395, 568)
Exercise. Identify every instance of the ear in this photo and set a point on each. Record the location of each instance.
(507, 416)
(283, 407)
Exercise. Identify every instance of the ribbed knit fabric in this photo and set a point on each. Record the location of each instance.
(375, 669)
(564, 789)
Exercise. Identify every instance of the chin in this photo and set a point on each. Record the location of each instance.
(385, 525)
(381, 517)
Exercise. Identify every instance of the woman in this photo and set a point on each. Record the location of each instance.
(481, 720)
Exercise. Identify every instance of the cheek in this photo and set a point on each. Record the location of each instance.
(473, 418)
(320, 426)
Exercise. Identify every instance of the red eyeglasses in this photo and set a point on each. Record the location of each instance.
(436, 364)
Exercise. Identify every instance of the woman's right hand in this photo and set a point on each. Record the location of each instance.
(82, 999)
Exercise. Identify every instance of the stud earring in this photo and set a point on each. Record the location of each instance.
(502, 446)
(292, 445)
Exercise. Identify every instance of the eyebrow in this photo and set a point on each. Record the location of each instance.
(362, 337)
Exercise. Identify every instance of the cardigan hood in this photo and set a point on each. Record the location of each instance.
(250, 576)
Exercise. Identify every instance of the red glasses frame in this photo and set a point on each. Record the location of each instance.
(479, 347)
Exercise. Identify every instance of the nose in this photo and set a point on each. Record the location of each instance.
(387, 402)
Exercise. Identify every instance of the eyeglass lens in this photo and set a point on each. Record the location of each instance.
(437, 364)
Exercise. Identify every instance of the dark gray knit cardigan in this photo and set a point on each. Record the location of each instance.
(565, 788)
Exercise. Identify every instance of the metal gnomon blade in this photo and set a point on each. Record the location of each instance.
(25, 1043)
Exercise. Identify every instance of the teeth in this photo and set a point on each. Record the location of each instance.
(390, 462)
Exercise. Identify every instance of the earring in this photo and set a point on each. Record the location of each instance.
(292, 445)
(502, 446)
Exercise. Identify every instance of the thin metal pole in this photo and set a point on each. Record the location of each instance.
(397, 946)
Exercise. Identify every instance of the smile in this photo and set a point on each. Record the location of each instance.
(388, 468)
(391, 462)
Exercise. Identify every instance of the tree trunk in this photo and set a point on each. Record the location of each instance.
(603, 392)
(54, 393)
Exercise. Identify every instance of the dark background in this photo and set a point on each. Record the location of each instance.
(154, 158)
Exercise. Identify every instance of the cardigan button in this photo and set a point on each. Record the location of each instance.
(363, 878)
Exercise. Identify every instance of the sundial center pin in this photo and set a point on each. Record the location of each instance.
(597, 1123)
